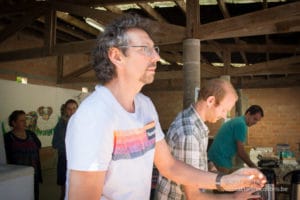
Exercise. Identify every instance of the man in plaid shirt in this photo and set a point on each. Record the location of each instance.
(187, 138)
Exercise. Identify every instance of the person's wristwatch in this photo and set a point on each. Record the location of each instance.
(218, 182)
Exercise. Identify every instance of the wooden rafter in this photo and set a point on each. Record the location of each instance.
(155, 15)
(280, 19)
(182, 5)
(21, 23)
(86, 46)
(66, 30)
(50, 30)
(279, 66)
(226, 14)
(77, 23)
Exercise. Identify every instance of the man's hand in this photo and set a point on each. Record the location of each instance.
(243, 178)
(246, 194)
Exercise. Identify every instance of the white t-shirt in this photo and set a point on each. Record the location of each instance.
(102, 136)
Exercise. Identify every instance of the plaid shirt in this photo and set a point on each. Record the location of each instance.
(187, 138)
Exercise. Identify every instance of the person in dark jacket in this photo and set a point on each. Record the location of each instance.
(22, 147)
(58, 142)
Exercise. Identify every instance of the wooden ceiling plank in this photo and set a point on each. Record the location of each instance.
(20, 24)
(60, 37)
(227, 62)
(226, 14)
(114, 9)
(265, 6)
(241, 46)
(163, 33)
(210, 70)
(278, 62)
(262, 22)
(223, 8)
(77, 23)
(291, 25)
(253, 48)
(101, 16)
(217, 49)
(243, 54)
(271, 83)
(21, 8)
(119, 2)
(148, 9)
(86, 47)
(66, 30)
(182, 5)
(50, 30)
(269, 67)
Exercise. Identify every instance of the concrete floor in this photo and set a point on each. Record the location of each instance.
(49, 190)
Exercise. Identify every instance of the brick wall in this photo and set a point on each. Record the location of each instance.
(281, 123)
(168, 104)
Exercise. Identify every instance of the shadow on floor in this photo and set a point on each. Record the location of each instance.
(49, 190)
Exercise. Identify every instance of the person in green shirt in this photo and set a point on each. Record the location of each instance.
(230, 139)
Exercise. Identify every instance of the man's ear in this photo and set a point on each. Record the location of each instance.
(211, 101)
(115, 55)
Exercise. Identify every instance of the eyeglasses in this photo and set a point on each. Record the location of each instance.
(149, 51)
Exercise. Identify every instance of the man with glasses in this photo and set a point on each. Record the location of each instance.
(230, 140)
(115, 135)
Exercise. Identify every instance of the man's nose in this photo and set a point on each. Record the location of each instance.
(155, 56)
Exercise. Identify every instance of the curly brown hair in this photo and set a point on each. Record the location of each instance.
(115, 35)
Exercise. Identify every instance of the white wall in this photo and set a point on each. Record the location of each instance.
(29, 97)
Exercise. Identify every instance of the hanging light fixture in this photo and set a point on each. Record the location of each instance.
(94, 24)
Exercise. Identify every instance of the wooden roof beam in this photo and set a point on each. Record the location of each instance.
(66, 30)
(114, 9)
(279, 19)
(163, 33)
(77, 23)
(86, 47)
(182, 5)
(21, 8)
(277, 66)
(148, 9)
(226, 14)
(21, 23)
